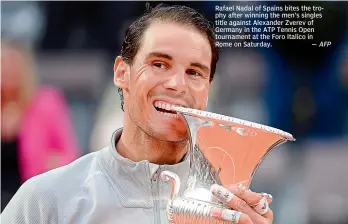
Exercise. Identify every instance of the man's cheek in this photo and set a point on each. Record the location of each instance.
(206, 103)
(204, 98)
(202, 102)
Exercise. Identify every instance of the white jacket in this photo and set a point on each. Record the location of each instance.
(100, 188)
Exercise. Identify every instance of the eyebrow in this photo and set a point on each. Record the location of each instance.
(159, 55)
(201, 66)
(163, 55)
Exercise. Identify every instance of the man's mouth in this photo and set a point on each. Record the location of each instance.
(166, 109)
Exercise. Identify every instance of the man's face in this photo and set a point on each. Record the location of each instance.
(172, 67)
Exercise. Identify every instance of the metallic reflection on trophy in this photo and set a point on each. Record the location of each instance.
(223, 150)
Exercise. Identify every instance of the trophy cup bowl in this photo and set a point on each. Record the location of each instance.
(222, 150)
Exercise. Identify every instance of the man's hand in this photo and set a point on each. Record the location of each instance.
(247, 207)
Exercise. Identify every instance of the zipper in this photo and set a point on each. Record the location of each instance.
(155, 194)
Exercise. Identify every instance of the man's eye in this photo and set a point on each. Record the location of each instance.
(193, 72)
(160, 65)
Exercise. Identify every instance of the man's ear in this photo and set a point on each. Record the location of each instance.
(121, 73)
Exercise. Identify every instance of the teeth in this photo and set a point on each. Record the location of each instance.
(166, 106)
(170, 115)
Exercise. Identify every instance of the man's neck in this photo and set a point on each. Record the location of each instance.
(137, 145)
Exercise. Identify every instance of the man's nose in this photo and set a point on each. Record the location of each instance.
(177, 81)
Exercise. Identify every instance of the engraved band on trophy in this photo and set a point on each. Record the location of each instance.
(223, 150)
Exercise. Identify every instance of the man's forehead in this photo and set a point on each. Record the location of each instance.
(175, 38)
(169, 31)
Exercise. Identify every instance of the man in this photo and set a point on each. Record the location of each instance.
(168, 58)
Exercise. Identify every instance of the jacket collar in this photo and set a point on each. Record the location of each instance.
(138, 184)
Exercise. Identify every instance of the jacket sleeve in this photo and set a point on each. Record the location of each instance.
(30, 204)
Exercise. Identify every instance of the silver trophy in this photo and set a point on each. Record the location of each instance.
(223, 150)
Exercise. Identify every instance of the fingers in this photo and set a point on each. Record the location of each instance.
(230, 216)
(252, 198)
(261, 207)
(269, 215)
(268, 196)
(230, 199)
(242, 200)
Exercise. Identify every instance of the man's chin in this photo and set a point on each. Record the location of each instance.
(171, 136)
(176, 139)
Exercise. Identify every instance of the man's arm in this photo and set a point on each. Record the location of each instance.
(31, 204)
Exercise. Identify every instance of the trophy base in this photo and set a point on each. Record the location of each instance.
(189, 211)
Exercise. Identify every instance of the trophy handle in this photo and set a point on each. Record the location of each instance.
(174, 180)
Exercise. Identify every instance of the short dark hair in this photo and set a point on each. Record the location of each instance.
(175, 13)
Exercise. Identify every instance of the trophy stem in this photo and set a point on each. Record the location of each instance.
(201, 174)
(193, 124)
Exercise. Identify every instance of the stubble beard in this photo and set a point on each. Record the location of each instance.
(143, 131)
